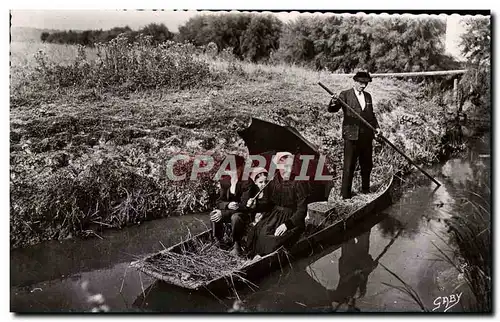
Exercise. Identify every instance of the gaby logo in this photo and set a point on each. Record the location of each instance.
(447, 301)
(204, 164)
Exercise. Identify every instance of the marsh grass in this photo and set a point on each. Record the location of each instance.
(472, 235)
(468, 253)
(405, 289)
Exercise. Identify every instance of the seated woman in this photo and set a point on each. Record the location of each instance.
(256, 202)
(230, 209)
(284, 224)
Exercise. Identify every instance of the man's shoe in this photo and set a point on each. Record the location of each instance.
(347, 197)
(236, 250)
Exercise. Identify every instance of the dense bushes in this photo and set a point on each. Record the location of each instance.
(158, 32)
(225, 30)
(250, 36)
(338, 43)
(394, 44)
(476, 83)
(261, 37)
(104, 188)
(71, 174)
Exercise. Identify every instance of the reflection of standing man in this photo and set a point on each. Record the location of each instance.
(357, 136)
(355, 265)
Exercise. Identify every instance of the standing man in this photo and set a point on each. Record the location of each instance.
(357, 136)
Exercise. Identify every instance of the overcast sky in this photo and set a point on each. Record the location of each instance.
(105, 19)
(135, 19)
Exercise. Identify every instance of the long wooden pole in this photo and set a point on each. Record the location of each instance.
(386, 248)
(382, 137)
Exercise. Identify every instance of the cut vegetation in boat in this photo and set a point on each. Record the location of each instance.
(194, 264)
(323, 213)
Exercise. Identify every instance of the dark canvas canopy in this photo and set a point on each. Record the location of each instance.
(266, 139)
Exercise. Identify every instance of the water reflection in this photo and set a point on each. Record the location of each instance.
(162, 297)
(57, 259)
(355, 265)
(459, 171)
(391, 226)
(346, 278)
(418, 206)
(313, 283)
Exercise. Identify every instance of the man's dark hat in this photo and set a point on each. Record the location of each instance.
(363, 77)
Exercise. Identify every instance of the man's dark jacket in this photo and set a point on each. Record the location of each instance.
(225, 197)
(352, 126)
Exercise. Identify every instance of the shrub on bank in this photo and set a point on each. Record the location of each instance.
(128, 66)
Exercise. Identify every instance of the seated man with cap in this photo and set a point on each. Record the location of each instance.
(230, 208)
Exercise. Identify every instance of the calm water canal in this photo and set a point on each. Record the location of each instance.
(411, 241)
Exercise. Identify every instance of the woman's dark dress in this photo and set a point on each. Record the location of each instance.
(263, 206)
(289, 201)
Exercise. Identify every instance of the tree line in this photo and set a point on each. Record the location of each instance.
(159, 33)
(336, 43)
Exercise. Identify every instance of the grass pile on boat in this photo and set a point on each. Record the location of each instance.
(336, 208)
(203, 263)
(380, 179)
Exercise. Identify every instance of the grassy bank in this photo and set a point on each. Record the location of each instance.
(90, 135)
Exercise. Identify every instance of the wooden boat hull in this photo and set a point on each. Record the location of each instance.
(306, 246)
